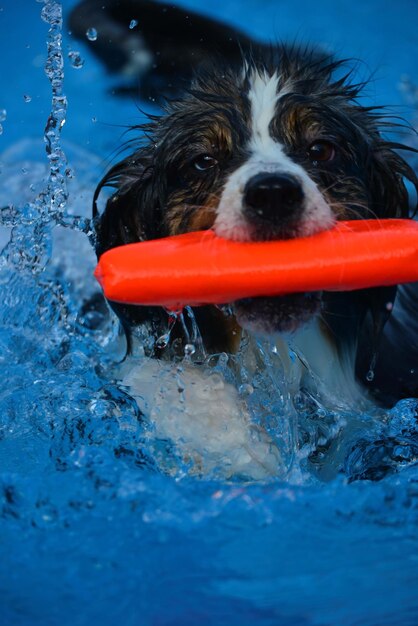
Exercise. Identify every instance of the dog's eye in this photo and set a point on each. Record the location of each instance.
(321, 151)
(204, 162)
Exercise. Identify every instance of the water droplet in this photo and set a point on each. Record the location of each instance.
(189, 349)
(389, 306)
(91, 34)
(246, 389)
(133, 24)
(1, 129)
(76, 59)
(162, 341)
(3, 115)
(94, 120)
(27, 98)
(370, 376)
(24, 170)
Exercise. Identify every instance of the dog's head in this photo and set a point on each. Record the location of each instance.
(268, 151)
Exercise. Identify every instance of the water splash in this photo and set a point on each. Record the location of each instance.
(195, 346)
(54, 69)
(30, 244)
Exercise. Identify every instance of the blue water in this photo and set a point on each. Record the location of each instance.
(91, 530)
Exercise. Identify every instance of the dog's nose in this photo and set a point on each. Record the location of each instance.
(273, 198)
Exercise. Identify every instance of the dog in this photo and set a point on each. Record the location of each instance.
(269, 143)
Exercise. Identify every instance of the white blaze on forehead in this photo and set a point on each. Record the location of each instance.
(267, 155)
(264, 95)
(263, 98)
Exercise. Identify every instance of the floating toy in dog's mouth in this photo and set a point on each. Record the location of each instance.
(200, 268)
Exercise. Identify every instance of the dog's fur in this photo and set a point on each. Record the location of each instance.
(284, 111)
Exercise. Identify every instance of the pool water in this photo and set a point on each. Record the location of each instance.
(101, 523)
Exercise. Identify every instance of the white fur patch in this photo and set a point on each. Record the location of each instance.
(267, 155)
(333, 371)
(263, 96)
(204, 418)
(210, 426)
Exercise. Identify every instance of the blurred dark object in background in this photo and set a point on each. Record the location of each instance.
(155, 46)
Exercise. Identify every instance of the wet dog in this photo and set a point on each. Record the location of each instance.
(268, 143)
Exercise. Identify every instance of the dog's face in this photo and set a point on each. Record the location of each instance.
(261, 153)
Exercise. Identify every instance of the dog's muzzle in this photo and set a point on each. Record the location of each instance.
(273, 199)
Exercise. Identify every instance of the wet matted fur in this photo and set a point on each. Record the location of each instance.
(192, 163)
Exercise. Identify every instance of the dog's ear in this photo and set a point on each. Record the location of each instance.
(389, 198)
(133, 212)
(387, 172)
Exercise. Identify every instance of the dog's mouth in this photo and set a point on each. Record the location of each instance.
(279, 314)
(273, 206)
(269, 315)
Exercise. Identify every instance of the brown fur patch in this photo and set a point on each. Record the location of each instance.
(185, 218)
(203, 219)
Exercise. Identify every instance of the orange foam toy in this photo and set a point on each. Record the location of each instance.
(200, 268)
